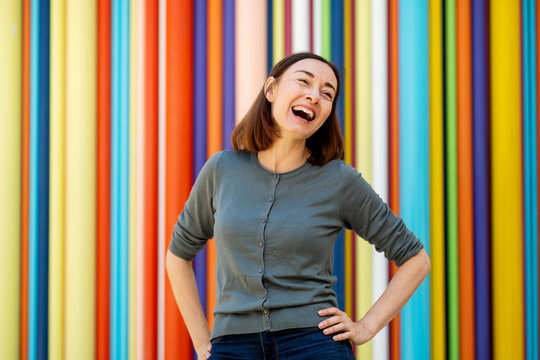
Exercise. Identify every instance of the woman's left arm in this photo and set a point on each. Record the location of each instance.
(400, 289)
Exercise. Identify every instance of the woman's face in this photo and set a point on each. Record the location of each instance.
(302, 98)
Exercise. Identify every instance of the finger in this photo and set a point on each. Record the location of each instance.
(332, 321)
(329, 311)
(342, 336)
(336, 328)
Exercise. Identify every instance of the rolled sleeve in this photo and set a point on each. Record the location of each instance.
(363, 211)
(195, 224)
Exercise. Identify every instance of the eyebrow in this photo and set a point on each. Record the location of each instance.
(311, 75)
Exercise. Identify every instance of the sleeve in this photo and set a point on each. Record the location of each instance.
(195, 224)
(363, 211)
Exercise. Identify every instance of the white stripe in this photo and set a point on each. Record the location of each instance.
(380, 150)
(300, 25)
(317, 27)
(161, 180)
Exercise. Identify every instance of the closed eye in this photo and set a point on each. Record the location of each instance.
(303, 81)
(328, 95)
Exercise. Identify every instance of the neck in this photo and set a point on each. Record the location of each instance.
(284, 156)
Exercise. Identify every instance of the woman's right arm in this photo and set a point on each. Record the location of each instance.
(185, 291)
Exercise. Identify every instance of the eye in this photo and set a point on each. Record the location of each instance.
(303, 81)
(328, 95)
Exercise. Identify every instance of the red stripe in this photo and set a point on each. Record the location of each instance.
(151, 179)
(103, 179)
(393, 102)
(179, 152)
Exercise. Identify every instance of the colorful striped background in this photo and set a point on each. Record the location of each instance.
(109, 111)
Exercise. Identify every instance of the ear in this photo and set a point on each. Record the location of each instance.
(269, 88)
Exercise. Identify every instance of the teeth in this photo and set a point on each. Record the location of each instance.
(305, 110)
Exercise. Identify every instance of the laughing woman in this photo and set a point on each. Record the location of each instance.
(275, 206)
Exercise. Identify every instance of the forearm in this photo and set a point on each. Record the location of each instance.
(186, 294)
(400, 289)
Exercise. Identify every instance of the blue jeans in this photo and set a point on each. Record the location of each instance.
(297, 344)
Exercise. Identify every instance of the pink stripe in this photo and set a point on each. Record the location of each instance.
(288, 28)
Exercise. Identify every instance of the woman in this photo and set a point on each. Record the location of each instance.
(275, 207)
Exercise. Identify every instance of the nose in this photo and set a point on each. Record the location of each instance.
(313, 96)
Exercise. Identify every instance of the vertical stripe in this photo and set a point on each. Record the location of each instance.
(269, 35)
(480, 71)
(346, 93)
(10, 186)
(80, 160)
(506, 181)
(414, 163)
(393, 148)
(103, 220)
(530, 178)
(25, 180)
(228, 72)
(379, 155)
(278, 19)
(300, 26)
(250, 55)
(39, 181)
(464, 181)
(438, 293)
(215, 137)
(162, 128)
(56, 190)
(326, 46)
(451, 182)
(317, 27)
(200, 124)
(179, 152)
(133, 181)
(150, 263)
(288, 27)
(363, 156)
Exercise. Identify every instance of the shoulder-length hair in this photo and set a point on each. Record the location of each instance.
(258, 130)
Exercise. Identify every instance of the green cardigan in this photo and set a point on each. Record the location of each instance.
(275, 234)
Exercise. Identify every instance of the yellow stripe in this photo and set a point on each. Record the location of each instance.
(278, 37)
(56, 185)
(10, 181)
(348, 154)
(438, 296)
(133, 86)
(506, 189)
(80, 187)
(363, 155)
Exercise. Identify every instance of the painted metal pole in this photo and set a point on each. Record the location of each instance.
(80, 180)
(506, 181)
(229, 110)
(438, 252)
(414, 163)
(11, 38)
(300, 26)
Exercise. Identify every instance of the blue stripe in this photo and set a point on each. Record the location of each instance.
(530, 179)
(337, 56)
(269, 36)
(200, 126)
(481, 193)
(39, 182)
(414, 163)
(120, 180)
(228, 72)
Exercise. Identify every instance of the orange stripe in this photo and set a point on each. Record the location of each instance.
(215, 55)
(25, 178)
(151, 180)
(179, 149)
(394, 146)
(465, 186)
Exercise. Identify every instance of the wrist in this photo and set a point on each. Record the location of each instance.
(367, 327)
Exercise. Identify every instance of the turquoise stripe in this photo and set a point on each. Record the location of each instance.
(530, 178)
(414, 163)
(39, 182)
(119, 180)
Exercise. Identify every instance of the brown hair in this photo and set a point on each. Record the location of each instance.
(258, 130)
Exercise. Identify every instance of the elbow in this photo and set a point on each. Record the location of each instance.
(426, 263)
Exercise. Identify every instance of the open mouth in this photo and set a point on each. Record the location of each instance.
(303, 112)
